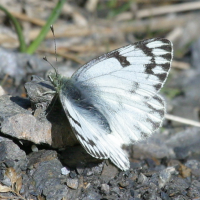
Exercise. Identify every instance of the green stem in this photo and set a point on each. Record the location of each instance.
(45, 29)
(17, 28)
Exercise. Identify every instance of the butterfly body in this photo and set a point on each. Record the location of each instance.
(112, 100)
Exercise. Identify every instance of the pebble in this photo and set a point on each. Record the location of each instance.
(72, 183)
(105, 188)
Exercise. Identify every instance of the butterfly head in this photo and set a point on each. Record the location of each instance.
(55, 79)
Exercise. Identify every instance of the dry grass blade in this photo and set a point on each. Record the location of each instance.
(11, 174)
(4, 188)
(175, 34)
(168, 9)
(182, 120)
(180, 65)
(18, 184)
(40, 198)
(25, 17)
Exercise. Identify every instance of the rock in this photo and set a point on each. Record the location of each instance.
(105, 189)
(72, 174)
(92, 196)
(115, 190)
(45, 171)
(142, 179)
(182, 152)
(12, 155)
(123, 183)
(109, 172)
(72, 183)
(34, 148)
(18, 122)
(165, 176)
(153, 147)
(17, 65)
(194, 190)
(164, 196)
(194, 165)
(177, 186)
(76, 156)
(65, 171)
(185, 142)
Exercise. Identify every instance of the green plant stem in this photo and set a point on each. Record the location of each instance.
(54, 15)
(17, 28)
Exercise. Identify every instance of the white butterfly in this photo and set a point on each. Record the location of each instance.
(112, 100)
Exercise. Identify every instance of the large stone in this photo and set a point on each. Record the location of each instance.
(18, 122)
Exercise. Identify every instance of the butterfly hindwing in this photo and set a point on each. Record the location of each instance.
(113, 100)
(90, 126)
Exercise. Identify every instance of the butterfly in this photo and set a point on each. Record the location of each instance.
(113, 100)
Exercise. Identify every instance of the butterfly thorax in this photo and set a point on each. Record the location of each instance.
(56, 80)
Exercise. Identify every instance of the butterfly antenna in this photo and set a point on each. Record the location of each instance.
(54, 38)
(45, 58)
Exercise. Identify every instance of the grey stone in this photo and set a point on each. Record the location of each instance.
(17, 65)
(181, 197)
(194, 191)
(41, 156)
(109, 172)
(6, 181)
(165, 176)
(105, 188)
(193, 164)
(124, 183)
(164, 196)
(177, 186)
(72, 174)
(18, 122)
(45, 175)
(188, 139)
(92, 196)
(72, 183)
(12, 155)
(115, 190)
(153, 147)
(142, 179)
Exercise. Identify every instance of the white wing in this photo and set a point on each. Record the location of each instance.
(114, 99)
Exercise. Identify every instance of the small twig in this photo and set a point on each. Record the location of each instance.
(25, 17)
(168, 9)
(18, 196)
(175, 34)
(180, 65)
(182, 120)
(126, 27)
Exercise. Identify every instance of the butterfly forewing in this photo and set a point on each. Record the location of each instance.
(114, 99)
